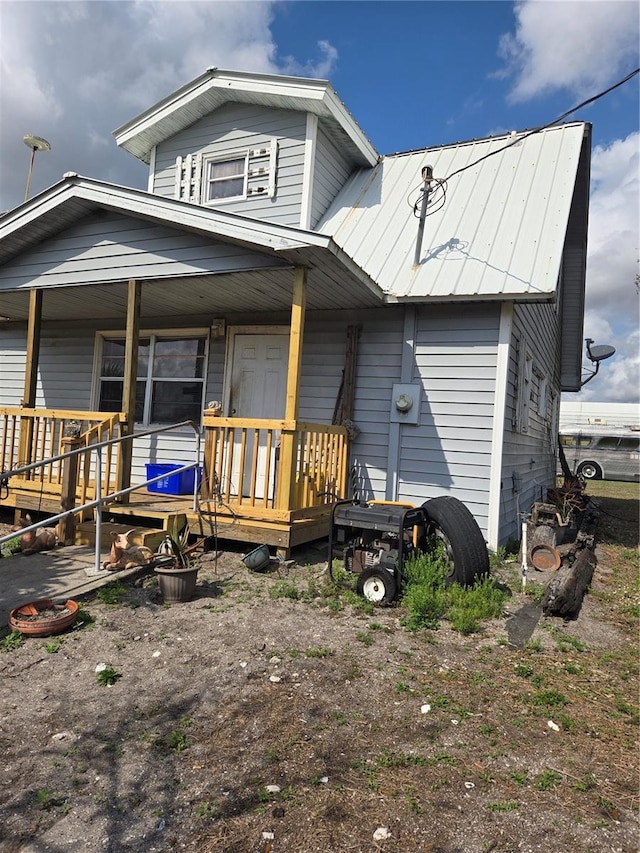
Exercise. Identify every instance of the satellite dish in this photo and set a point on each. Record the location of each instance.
(36, 143)
(596, 355)
(599, 353)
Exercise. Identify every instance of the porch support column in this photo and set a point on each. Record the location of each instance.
(287, 479)
(33, 349)
(34, 329)
(130, 376)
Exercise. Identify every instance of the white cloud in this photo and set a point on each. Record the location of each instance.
(614, 232)
(320, 68)
(580, 46)
(74, 71)
(612, 299)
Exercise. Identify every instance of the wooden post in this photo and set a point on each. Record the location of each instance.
(67, 526)
(287, 478)
(129, 383)
(30, 374)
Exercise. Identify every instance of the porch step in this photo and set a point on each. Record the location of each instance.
(86, 534)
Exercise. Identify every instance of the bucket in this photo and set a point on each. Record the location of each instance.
(258, 559)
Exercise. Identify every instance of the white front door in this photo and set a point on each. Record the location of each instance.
(258, 390)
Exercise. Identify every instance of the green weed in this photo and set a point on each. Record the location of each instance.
(12, 640)
(314, 652)
(285, 589)
(523, 670)
(547, 780)
(519, 777)
(112, 594)
(428, 597)
(365, 638)
(550, 699)
(108, 676)
(503, 806)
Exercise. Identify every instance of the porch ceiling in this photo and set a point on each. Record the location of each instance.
(204, 297)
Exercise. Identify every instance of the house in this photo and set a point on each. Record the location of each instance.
(278, 268)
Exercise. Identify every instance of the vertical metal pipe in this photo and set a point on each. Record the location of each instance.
(427, 176)
(99, 505)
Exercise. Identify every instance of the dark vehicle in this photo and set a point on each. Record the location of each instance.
(602, 453)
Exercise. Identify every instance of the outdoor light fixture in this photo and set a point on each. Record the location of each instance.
(596, 355)
(35, 143)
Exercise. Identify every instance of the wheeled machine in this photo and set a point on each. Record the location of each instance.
(376, 538)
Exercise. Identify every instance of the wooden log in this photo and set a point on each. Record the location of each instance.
(565, 592)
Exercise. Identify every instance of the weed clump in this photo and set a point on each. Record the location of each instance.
(428, 597)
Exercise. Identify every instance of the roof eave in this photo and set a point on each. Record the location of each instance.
(139, 135)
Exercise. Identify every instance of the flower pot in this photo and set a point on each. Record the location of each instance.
(44, 617)
(176, 584)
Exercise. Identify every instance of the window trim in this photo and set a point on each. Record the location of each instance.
(209, 159)
(102, 335)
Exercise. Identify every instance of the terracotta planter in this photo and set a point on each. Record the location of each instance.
(39, 619)
(176, 584)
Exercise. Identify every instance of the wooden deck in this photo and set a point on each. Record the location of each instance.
(168, 512)
(265, 482)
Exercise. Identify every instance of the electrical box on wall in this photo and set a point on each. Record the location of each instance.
(405, 404)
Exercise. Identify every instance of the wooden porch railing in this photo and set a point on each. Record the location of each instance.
(242, 471)
(29, 435)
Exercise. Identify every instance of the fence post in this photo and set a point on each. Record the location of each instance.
(70, 441)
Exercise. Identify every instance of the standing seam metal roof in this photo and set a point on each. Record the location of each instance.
(499, 234)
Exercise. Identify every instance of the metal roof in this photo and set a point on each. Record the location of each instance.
(216, 87)
(499, 234)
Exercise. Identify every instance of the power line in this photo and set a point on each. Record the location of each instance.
(545, 126)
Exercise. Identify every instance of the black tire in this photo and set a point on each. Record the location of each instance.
(449, 520)
(377, 585)
(590, 471)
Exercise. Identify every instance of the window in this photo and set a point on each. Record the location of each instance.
(609, 442)
(575, 440)
(225, 179)
(170, 380)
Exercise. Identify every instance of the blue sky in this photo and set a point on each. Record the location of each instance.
(413, 74)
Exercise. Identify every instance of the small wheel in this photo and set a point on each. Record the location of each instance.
(590, 471)
(377, 585)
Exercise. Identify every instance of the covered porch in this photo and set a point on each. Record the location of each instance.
(264, 480)
(85, 262)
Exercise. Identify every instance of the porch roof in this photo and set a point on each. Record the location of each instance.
(261, 280)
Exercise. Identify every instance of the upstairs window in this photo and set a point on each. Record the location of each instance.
(170, 380)
(225, 179)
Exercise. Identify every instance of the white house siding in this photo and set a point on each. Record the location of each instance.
(379, 366)
(13, 345)
(331, 171)
(528, 458)
(449, 451)
(231, 130)
(104, 248)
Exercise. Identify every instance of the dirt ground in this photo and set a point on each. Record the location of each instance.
(271, 715)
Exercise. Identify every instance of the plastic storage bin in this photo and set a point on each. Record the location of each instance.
(173, 484)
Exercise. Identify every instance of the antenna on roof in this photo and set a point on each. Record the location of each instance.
(427, 177)
(431, 199)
